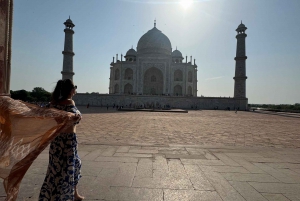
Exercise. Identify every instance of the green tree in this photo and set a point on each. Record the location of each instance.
(40, 94)
(21, 95)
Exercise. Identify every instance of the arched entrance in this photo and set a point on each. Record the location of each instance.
(178, 75)
(128, 89)
(178, 90)
(153, 82)
(128, 74)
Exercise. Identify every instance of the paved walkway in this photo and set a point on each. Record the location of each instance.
(218, 128)
(200, 155)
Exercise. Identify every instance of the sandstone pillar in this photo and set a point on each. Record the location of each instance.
(6, 15)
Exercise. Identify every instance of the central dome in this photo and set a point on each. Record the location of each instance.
(154, 41)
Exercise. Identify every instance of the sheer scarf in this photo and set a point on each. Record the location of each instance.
(25, 131)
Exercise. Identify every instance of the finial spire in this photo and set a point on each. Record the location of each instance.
(155, 23)
(131, 46)
(241, 21)
(176, 47)
(69, 17)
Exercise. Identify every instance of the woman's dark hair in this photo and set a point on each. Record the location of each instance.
(62, 90)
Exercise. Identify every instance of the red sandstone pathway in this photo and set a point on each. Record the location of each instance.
(205, 127)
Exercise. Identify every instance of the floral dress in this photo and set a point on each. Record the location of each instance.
(64, 166)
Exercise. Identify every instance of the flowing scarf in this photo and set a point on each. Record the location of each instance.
(25, 131)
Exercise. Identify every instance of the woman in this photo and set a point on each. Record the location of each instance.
(64, 166)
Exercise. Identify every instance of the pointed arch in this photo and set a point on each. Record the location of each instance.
(153, 81)
(128, 74)
(128, 88)
(178, 75)
(178, 90)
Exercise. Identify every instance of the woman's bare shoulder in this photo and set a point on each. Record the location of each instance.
(67, 102)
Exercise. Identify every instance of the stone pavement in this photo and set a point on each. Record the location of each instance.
(211, 127)
(200, 155)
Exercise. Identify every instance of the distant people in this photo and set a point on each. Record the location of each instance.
(88, 105)
(107, 107)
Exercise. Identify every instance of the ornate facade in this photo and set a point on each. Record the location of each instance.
(153, 69)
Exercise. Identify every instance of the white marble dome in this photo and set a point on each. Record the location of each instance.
(154, 41)
(176, 53)
(131, 52)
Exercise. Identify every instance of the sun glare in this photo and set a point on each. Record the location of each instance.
(186, 3)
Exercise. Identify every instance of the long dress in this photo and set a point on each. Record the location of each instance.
(64, 166)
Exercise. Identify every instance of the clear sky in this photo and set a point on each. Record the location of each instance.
(205, 29)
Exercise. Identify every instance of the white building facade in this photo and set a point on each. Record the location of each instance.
(154, 76)
(153, 69)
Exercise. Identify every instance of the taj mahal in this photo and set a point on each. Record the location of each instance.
(153, 69)
(152, 75)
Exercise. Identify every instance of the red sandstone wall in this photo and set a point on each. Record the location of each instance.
(5, 45)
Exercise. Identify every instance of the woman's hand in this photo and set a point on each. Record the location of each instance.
(76, 118)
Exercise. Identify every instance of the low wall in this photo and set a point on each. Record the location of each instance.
(160, 101)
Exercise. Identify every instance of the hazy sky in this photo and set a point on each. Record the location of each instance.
(204, 30)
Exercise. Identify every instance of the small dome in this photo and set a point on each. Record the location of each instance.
(241, 26)
(69, 21)
(176, 53)
(154, 41)
(131, 52)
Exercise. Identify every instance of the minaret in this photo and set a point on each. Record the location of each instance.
(67, 72)
(240, 63)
